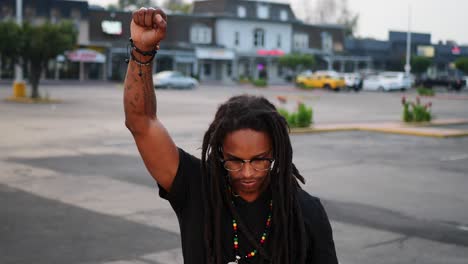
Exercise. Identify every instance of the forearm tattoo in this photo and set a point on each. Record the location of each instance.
(139, 95)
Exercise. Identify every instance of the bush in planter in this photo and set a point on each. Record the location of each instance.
(260, 82)
(301, 118)
(425, 91)
(415, 111)
(243, 79)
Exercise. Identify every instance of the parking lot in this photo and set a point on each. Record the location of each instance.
(73, 189)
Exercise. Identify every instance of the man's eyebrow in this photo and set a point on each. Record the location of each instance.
(230, 156)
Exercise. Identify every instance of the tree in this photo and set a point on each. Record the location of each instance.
(10, 41)
(178, 6)
(329, 12)
(43, 43)
(462, 64)
(297, 61)
(348, 19)
(419, 64)
(130, 5)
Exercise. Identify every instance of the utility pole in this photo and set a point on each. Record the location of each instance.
(408, 44)
(19, 87)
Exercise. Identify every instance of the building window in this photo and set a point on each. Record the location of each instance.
(259, 37)
(301, 41)
(241, 12)
(207, 69)
(7, 13)
(278, 41)
(54, 15)
(75, 14)
(284, 15)
(327, 42)
(200, 34)
(338, 47)
(229, 69)
(236, 38)
(262, 11)
(29, 14)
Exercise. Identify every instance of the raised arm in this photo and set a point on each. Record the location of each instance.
(159, 153)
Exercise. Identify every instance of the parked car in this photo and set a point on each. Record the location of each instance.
(322, 79)
(452, 79)
(353, 81)
(173, 79)
(387, 81)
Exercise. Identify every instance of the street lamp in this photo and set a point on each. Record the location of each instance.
(19, 87)
(408, 44)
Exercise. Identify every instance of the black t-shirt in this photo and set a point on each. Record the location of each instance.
(186, 199)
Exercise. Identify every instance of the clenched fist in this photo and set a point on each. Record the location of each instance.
(148, 28)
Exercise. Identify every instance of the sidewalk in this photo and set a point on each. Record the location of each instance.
(432, 129)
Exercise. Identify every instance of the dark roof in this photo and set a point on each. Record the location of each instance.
(367, 44)
(228, 8)
(43, 6)
(400, 36)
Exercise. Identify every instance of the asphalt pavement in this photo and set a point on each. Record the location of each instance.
(74, 190)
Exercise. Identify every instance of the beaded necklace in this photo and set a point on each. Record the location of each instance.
(252, 253)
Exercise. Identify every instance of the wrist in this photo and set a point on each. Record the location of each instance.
(144, 50)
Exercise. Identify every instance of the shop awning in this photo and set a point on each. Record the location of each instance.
(214, 54)
(86, 55)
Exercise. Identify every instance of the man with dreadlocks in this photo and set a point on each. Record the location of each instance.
(241, 202)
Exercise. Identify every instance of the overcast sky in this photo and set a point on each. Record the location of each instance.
(444, 19)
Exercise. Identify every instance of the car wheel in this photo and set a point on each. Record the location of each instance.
(327, 86)
(381, 89)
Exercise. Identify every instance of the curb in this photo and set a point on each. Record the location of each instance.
(421, 130)
(29, 100)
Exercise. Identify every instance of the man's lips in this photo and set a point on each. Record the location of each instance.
(248, 183)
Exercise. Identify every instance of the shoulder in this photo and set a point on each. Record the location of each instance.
(308, 202)
(312, 210)
(187, 161)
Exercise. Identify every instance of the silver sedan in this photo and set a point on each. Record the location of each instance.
(173, 79)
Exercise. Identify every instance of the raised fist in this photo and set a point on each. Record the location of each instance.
(148, 28)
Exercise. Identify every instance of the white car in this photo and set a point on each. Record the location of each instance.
(387, 81)
(173, 79)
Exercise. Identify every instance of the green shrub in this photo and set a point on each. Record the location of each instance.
(302, 118)
(425, 91)
(415, 111)
(260, 82)
(244, 79)
(303, 86)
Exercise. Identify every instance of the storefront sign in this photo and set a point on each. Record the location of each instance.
(214, 54)
(86, 55)
(456, 50)
(270, 52)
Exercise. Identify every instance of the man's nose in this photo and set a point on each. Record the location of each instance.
(247, 170)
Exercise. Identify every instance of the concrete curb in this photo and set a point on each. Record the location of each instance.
(427, 129)
(29, 100)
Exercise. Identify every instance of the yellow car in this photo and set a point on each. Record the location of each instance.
(321, 79)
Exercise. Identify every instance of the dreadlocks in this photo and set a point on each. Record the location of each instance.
(288, 243)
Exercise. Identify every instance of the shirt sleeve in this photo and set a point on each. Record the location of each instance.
(188, 175)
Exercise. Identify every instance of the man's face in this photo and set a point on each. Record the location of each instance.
(247, 144)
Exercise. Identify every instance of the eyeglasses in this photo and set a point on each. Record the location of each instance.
(258, 164)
